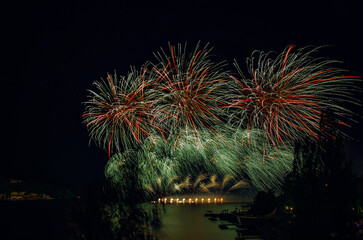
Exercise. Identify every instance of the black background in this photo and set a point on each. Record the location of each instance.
(51, 52)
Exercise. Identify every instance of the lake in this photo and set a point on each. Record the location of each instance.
(52, 219)
(187, 221)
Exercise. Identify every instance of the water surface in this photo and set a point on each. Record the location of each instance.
(187, 221)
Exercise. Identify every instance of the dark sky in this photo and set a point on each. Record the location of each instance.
(52, 52)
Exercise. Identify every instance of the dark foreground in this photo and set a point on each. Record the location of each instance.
(77, 219)
(38, 219)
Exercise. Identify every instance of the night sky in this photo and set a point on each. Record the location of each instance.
(52, 52)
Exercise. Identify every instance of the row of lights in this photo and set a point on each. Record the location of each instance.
(190, 200)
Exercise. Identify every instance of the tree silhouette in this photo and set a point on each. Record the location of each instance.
(319, 189)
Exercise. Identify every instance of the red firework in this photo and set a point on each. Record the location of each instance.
(190, 90)
(287, 96)
(119, 109)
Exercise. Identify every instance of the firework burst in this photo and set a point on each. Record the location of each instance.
(191, 89)
(287, 96)
(191, 97)
(117, 114)
(247, 157)
(162, 170)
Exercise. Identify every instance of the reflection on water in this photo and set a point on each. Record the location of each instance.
(154, 221)
(188, 222)
(131, 222)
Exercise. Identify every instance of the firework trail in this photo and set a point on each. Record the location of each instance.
(220, 187)
(286, 96)
(166, 125)
(190, 91)
(189, 186)
(253, 160)
(158, 177)
(163, 170)
(162, 187)
(257, 163)
(122, 172)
